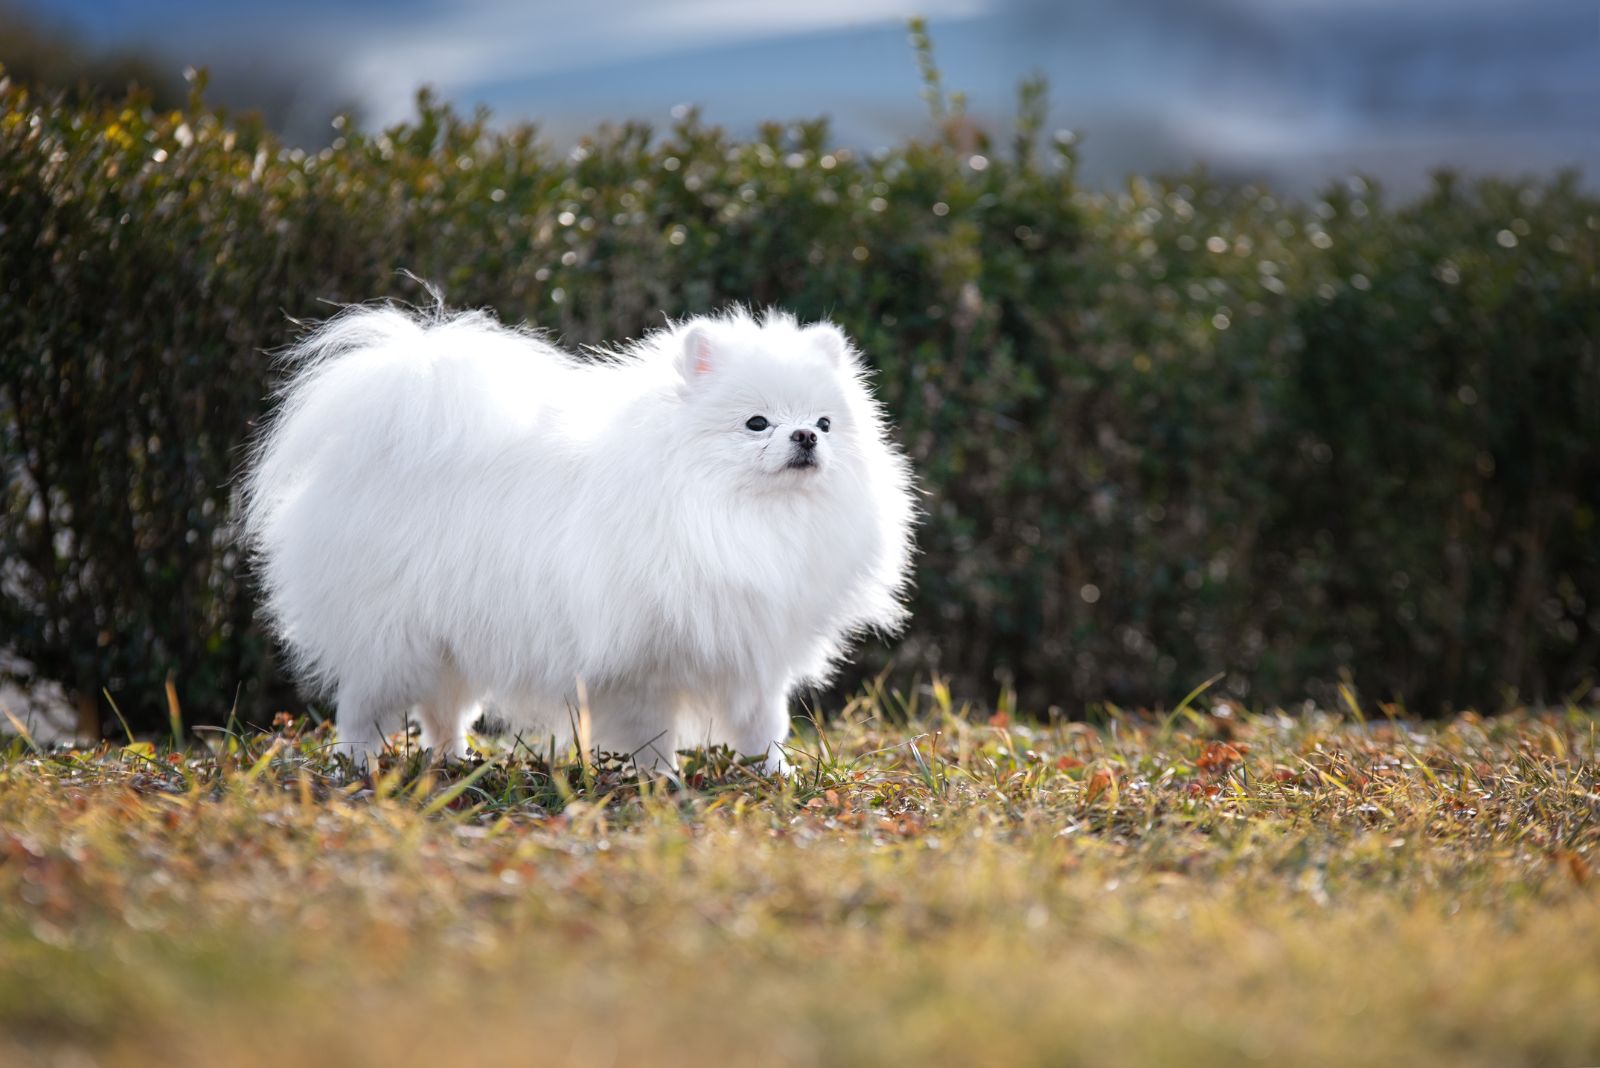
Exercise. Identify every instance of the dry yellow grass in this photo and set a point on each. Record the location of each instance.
(1208, 889)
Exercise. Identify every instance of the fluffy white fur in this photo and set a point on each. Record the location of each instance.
(445, 510)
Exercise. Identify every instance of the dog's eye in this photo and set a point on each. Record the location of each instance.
(824, 423)
(757, 423)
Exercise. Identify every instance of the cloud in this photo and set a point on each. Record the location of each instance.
(459, 45)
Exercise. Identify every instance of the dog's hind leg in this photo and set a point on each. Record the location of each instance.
(364, 723)
(445, 715)
(636, 722)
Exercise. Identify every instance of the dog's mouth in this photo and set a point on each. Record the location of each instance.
(801, 462)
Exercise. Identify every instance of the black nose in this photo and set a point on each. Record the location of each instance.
(806, 439)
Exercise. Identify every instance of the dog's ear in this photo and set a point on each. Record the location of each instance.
(699, 356)
(831, 342)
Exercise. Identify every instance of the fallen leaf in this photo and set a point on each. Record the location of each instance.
(1219, 756)
(1103, 781)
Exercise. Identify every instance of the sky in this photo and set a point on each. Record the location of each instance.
(1292, 92)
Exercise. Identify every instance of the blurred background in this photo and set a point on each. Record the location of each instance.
(1189, 398)
(1286, 91)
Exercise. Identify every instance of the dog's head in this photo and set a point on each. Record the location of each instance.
(773, 405)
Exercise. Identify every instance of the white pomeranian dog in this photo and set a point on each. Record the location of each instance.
(660, 543)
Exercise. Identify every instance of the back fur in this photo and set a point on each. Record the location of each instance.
(444, 510)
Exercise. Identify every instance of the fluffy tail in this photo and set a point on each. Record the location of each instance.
(374, 383)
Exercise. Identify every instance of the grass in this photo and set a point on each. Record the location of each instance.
(1213, 887)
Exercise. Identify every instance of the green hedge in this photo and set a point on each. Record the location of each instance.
(1175, 430)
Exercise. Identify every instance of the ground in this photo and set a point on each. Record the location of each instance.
(934, 885)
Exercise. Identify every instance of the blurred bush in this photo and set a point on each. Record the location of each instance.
(1175, 430)
(45, 57)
